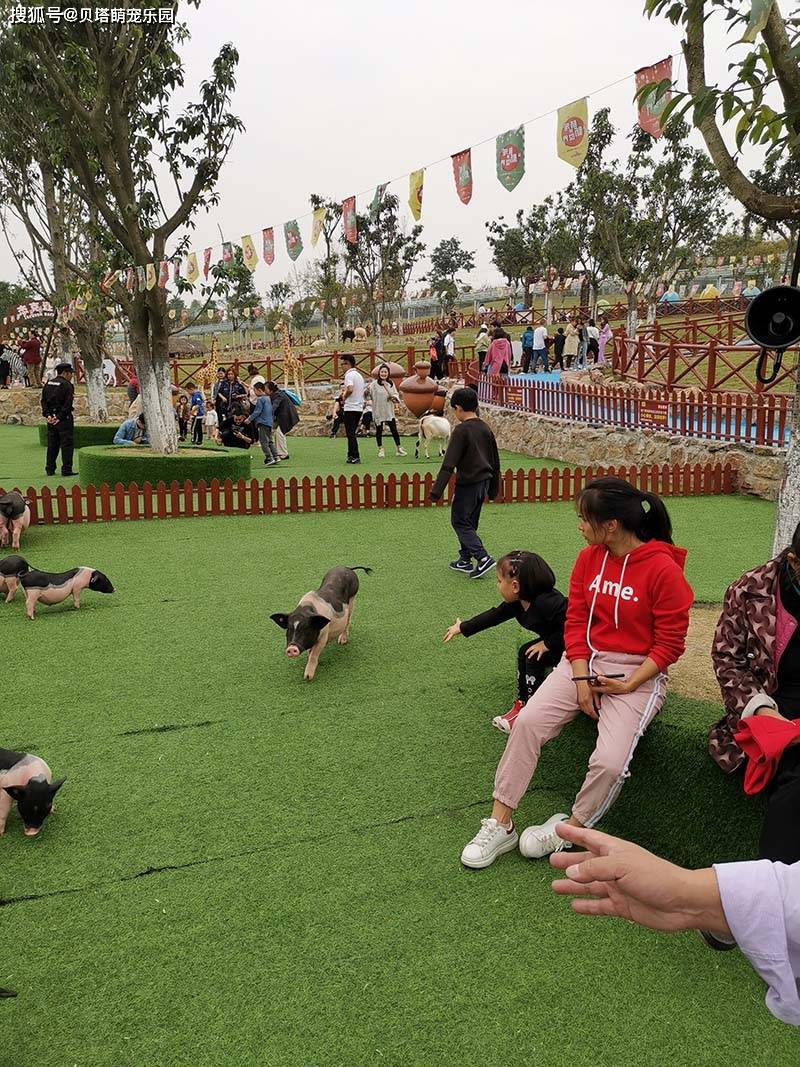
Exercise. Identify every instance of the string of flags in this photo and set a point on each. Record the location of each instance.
(572, 143)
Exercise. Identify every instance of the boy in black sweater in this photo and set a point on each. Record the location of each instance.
(472, 454)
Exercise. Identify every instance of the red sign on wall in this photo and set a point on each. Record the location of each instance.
(655, 414)
(514, 395)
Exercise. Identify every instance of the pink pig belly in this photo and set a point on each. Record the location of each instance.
(55, 595)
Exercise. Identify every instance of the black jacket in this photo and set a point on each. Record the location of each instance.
(284, 411)
(472, 454)
(57, 399)
(545, 617)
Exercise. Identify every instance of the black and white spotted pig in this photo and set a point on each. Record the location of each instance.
(26, 779)
(15, 518)
(321, 615)
(43, 587)
(10, 570)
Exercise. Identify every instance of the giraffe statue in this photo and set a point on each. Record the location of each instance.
(291, 364)
(206, 376)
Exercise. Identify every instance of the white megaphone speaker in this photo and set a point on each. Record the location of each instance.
(773, 322)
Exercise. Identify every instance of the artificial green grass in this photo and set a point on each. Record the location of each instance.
(245, 868)
(84, 433)
(22, 459)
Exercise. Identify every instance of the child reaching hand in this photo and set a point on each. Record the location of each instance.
(528, 588)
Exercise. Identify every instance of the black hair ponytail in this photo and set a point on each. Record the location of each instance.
(640, 513)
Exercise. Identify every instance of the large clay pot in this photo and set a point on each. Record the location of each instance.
(421, 393)
(396, 372)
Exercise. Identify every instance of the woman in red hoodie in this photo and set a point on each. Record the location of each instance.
(627, 617)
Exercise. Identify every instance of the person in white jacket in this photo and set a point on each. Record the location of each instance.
(753, 905)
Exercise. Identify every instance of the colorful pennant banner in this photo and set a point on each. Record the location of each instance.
(349, 220)
(249, 254)
(415, 182)
(650, 111)
(462, 172)
(317, 224)
(294, 242)
(511, 157)
(268, 239)
(573, 132)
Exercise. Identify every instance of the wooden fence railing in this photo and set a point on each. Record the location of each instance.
(318, 367)
(120, 503)
(738, 418)
(711, 366)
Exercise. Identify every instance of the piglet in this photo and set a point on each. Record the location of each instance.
(15, 516)
(322, 614)
(28, 780)
(10, 570)
(53, 588)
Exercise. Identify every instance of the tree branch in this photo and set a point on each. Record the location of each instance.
(756, 200)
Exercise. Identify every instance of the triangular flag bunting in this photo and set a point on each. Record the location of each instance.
(415, 181)
(374, 207)
(163, 274)
(192, 270)
(573, 132)
(511, 157)
(268, 241)
(206, 262)
(294, 242)
(227, 251)
(317, 224)
(462, 172)
(759, 16)
(650, 111)
(150, 275)
(141, 279)
(249, 253)
(349, 220)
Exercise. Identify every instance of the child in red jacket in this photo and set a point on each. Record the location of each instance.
(627, 619)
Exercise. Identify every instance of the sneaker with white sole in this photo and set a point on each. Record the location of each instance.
(381, 453)
(482, 567)
(491, 841)
(401, 452)
(463, 566)
(539, 841)
(503, 723)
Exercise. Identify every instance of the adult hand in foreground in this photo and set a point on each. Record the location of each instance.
(623, 880)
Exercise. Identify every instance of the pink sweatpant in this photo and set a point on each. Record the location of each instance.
(622, 721)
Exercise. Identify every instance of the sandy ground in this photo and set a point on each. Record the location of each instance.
(693, 674)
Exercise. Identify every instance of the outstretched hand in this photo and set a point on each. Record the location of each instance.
(453, 631)
(615, 877)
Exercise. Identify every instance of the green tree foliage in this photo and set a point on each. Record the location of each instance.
(448, 260)
(12, 294)
(762, 95)
(106, 94)
(382, 259)
(233, 287)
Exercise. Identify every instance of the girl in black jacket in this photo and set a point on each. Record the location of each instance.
(528, 588)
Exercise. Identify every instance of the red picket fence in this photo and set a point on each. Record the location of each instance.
(710, 366)
(318, 367)
(727, 329)
(738, 418)
(120, 503)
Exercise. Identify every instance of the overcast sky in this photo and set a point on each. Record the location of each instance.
(337, 97)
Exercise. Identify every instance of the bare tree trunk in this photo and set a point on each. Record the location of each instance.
(788, 515)
(151, 360)
(633, 314)
(89, 336)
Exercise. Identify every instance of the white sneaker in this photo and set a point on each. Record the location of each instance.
(491, 841)
(381, 453)
(539, 841)
(401, 452)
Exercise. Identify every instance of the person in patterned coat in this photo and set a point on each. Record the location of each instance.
(756, 657)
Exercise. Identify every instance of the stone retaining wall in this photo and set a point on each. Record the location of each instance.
(24, 406)
(760, 469)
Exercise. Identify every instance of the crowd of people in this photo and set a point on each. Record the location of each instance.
(237, 415)
(576, 344)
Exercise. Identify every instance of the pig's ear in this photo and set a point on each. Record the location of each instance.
(317, 622)
(56, 785)
(281, 618)
(15, 791)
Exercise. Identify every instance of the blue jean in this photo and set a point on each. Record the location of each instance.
(540, 354)
(465, 514)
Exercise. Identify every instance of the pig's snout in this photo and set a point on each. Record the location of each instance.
(292, 650)
(32, 831)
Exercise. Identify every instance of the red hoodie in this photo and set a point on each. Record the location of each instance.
(636, 604)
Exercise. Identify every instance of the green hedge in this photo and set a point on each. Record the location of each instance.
(97, 433)
(119, 463)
